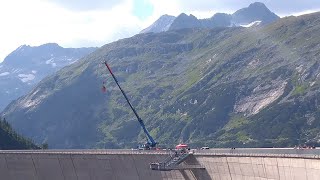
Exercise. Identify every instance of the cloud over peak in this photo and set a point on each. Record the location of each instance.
(85, 5)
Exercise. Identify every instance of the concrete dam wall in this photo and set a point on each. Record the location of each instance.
(262, 168)
(75, 166)
(134, 165)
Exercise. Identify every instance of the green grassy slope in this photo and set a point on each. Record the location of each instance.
(218, 87)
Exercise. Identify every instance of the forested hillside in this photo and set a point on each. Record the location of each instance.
(9, 139)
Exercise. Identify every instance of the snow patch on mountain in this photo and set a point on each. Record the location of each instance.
(26, 77)
(20, 48)
(252, 24)
(49, 61)
(34, 71)
(4, 74)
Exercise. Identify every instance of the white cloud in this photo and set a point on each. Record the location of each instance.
(35, 22)
(84, 5)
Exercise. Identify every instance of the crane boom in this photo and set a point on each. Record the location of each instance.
(151, 141)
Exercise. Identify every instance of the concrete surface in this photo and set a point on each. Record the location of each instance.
(134, 165)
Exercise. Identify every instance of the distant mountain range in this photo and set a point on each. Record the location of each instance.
(26, 66)
(256, 14)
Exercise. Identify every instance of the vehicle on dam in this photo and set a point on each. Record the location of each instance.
(182, 146)
(204, 148)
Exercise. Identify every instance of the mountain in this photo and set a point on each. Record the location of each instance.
(256, 14)
(185, 21)
(10, 140)
(221, 87)
(162, 24)
(218, 20)
(26, 66)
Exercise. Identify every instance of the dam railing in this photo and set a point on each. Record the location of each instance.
(251, 152)
(263, 152)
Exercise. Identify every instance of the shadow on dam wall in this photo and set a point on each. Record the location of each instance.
(198, 174)
(135, 166)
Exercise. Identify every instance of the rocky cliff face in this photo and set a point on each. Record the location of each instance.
(218, 87)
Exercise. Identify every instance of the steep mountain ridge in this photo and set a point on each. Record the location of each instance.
(26, 66)
(218, 87)
(255, 12)
(162, 24)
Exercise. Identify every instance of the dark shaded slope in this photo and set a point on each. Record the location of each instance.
(10, 140)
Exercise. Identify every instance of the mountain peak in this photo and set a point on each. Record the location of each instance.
(185, 21)
(50, 45)
(162, 24)
(257, 5)
(22, 47)
(47, 45)
(254, 12)
(184, 15)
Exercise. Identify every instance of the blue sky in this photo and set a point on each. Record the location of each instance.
(80, 23)
(142, 9)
